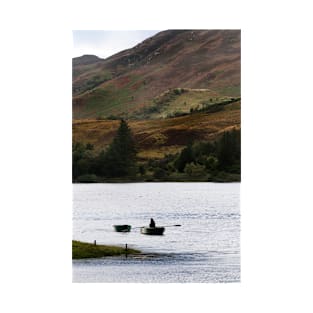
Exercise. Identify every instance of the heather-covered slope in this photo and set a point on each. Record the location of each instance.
(128, 83)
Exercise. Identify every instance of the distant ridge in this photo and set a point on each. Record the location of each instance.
(85, 59)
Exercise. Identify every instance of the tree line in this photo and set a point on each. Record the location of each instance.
(198, 161)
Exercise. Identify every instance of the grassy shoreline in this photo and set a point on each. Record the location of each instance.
(84, 250)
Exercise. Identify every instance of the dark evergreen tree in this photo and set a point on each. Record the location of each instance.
(228, 151)
(120, 158)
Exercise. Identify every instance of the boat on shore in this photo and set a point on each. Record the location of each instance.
(152, 230)
(122, 228)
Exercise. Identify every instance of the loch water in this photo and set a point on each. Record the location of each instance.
(204, 249)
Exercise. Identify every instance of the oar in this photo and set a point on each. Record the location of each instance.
(177, 225)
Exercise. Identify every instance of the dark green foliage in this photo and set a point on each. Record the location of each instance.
(119, 160)
(228, 151)
(179, 91)
(213, 108)
(89, 146)
(83, 159)
(200, 161)
(211, 163)
(204, 158)
(159, 173)
(209, 107)
(195, 170)
(203, 148)
(100, 164)
(186, 156)
(142, 170)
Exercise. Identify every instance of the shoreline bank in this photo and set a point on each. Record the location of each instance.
(85, 250)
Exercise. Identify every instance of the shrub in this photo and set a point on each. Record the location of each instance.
(195, 170)
(89, 146)
(159, 173)
(211, 163)
(177, 91)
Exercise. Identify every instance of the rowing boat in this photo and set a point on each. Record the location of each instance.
(122, 228)
(152, 230)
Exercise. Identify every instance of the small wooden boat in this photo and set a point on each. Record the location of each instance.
(122, 228)
(152, 230)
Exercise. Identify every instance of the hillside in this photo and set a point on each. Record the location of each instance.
(155, 138)
(206, 63)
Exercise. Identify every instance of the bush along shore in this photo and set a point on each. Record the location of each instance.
(84, 250)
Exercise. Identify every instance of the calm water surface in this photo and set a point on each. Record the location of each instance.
(206, 248)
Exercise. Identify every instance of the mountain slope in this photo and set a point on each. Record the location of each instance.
(155, 138)
(129, 81)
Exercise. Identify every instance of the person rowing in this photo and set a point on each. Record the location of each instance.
(152, 223)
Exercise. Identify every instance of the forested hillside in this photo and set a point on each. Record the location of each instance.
(168, 109)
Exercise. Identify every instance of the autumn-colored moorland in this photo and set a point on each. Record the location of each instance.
(175, 89)
(155, 138)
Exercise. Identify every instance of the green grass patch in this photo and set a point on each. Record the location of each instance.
(84, 250)
(94, 79)
(106, 101)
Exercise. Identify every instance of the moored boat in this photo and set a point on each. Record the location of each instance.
(122, 228)
(152, 230)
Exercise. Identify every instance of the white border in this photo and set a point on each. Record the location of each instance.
(36, 157)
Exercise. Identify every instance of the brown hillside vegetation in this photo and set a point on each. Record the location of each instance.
(155, 138)
(130, 80)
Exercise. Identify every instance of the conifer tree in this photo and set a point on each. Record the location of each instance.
(229, 149)
(120, 158)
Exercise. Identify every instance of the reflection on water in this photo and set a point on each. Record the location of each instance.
(206, 248)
